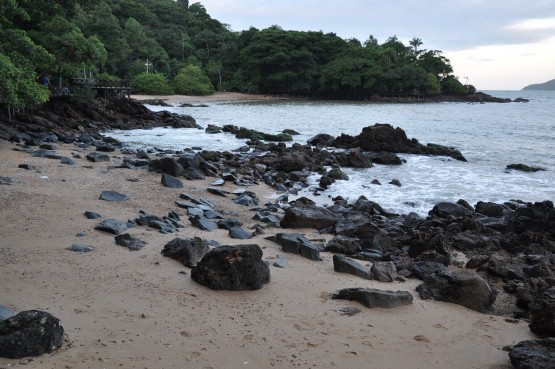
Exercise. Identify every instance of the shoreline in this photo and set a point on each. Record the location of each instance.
(217, 97)
(139, 309)
(230, 97)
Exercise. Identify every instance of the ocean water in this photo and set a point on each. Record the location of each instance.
(490, 136)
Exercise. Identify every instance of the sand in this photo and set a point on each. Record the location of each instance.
(138, 309)
(176, 100)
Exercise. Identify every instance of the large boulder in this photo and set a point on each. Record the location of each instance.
(188, 251)
(464, 288)
(534, 354)
(30, 333)
(232, 268)
(542, 313)
(308, 216)
(372, 298)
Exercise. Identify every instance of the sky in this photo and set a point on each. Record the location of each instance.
(492, 44)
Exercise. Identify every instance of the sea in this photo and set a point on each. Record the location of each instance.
(489, 135)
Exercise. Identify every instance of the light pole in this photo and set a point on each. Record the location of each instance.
(148, 63)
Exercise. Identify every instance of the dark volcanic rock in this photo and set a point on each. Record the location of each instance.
(229, 223)
(77, 247)
(534, 354)
(5, 313)
(296, 243)
(246, 199)
(170, 181)
(92, 215)
(437, 243)
(384, 271)
(353, 158)
(490, 209)
(27, 166)
(67, 161)
(308, 216)
(386, 158)
(6, 181)
(383, 137)
(524, 168)
(167, 165)
(343, 244)
(542, 313)
(113, 196)
(357, 226)
(97, 157)
(232, 268)
(447, 209)
(372, 298)
(239, 233)
(132, 243)
(30, 333)
(321, 139)
(188, 251)
(464, 288)
(111, 225)
(342, 264)
(421, 269)
(203, 223)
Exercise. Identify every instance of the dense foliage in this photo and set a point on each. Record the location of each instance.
(179, 42)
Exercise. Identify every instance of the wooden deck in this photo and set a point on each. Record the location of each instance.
(103, 88)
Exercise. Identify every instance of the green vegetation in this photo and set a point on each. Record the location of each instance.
(192, 81)
(151, 42)
(152, 83)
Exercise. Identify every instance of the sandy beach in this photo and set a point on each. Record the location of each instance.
(138, 309)
(177, 100)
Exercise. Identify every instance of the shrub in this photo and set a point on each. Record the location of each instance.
(152, 84)
(192, 81)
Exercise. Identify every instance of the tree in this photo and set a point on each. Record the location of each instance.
(371, 41)
(101, 22)
(72, 50)
(192, 81)
(415, 43)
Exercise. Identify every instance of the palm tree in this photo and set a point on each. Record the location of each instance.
(415, 42)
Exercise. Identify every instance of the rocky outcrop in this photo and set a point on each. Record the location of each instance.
(70, 121)
(30, 333)
(232, 268)
(386, 138)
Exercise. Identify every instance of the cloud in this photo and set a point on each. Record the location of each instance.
(510, 40)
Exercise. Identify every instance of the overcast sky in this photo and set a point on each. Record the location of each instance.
(497, 44)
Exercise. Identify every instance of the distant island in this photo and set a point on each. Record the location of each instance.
(546, 86)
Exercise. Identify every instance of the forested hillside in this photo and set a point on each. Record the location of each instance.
(186, 51)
